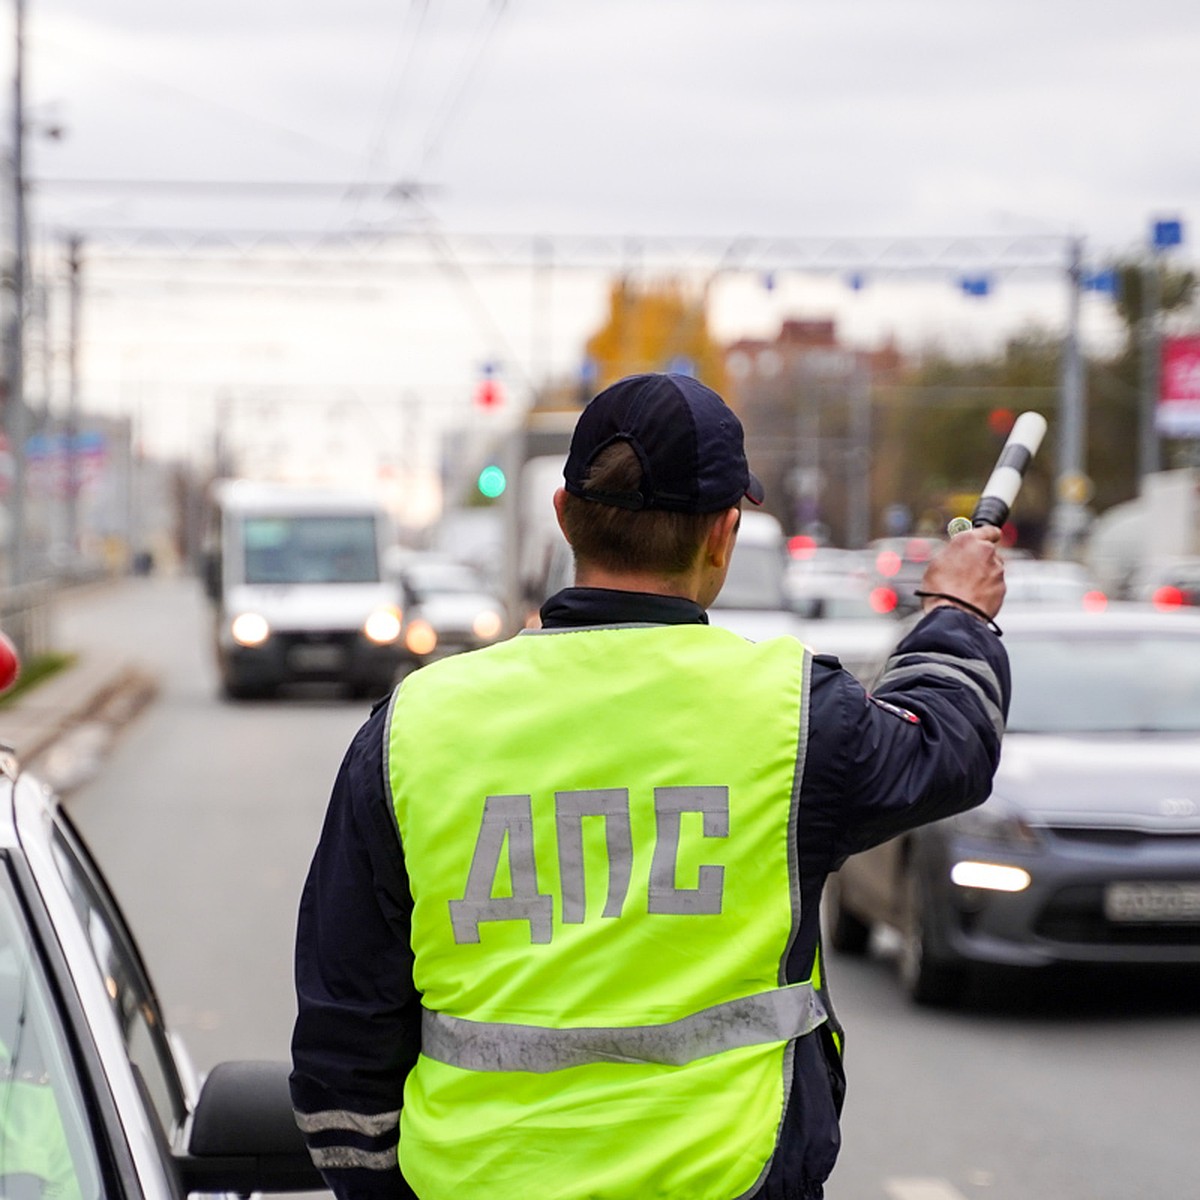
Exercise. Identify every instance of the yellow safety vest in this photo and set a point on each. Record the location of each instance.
(599, 830)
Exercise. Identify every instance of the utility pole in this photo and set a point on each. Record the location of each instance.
(1149, 351)
(1072, 486)
(1164, 235)
(15, 420)
(71, 431)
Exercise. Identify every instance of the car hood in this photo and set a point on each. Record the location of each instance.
(1147, 782)
(851, 639)
(454, 607)
(296, 606)
(757, 624)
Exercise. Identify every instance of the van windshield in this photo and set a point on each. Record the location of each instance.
(310, 549)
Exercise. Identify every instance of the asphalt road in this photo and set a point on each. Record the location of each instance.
(204, 815)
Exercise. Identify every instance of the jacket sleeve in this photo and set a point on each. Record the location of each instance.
(357, 1031)
(924, 742)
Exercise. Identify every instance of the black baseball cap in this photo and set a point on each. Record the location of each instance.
(688, 440)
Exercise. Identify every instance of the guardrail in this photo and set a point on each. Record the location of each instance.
(26, 612)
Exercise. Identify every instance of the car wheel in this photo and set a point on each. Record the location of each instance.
(926, 979)
(847, 933)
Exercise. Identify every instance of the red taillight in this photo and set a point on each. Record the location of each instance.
(1168, 597)
(802, 546)
(887, 563)
(1094, 601)
(883, 599)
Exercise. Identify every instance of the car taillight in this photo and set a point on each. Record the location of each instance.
(883, 599)
(887, 563)
(1094, 601)
(1167, 597)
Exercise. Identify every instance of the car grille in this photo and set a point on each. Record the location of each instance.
(1120, 837)
(1076, 914)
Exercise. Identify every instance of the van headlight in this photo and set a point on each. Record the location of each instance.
(250, 629)
(383, 626)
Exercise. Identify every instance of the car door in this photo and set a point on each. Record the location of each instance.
(142, 1081)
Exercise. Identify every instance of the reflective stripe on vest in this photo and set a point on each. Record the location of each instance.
(776, 1016)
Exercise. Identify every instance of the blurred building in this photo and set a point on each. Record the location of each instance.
(805, 401)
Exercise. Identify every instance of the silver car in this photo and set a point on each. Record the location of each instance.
(1088, 849)
(99, 1099)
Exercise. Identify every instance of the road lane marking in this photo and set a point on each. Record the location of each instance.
(921, 1189)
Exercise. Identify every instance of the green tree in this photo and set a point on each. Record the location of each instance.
(942, 424)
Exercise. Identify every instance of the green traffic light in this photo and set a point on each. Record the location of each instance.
(491, 482)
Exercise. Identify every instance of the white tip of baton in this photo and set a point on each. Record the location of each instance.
(1028, 430)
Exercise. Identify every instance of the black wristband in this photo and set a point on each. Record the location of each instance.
(971, 608)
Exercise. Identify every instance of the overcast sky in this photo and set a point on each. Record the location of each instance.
(761, 118)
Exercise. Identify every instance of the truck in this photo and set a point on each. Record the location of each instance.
(1133, 546)
(299, 589)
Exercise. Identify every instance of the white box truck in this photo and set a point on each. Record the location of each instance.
(299, 589)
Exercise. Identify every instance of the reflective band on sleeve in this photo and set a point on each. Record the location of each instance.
(371, 1124)
(978, 667)
(775, 1016)
(956, 669)
(332, 1158)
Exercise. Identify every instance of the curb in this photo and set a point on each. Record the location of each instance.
(65, 725)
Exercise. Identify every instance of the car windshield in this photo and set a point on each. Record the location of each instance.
(1124, 682)
(755, 579)
(310, 549)
(43, 1133)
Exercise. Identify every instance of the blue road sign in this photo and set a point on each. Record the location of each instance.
(1167, 234)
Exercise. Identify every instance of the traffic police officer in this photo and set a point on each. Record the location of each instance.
(560, 935)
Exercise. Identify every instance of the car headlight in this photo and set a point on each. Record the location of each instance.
(250, 629)
(998, 825)
(487, 625)
(383, 626)
(421, 637)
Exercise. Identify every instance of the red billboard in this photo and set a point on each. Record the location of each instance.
(1179, 394)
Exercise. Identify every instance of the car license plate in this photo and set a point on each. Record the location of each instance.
(317, 657)
(1153, 902)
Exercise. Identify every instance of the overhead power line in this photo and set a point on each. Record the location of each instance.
(399, 188)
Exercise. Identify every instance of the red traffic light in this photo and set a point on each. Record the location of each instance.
(1001, 420)
(489, 393)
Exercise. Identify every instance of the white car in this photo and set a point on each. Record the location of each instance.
(848, 616)
(99, 1098)
(754, 601)
(448, 608)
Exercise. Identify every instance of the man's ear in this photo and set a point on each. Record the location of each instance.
(560, 497)
(722, 536)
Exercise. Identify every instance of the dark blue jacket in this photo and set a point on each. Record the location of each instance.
(923, 745)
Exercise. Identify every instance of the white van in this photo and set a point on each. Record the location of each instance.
(299, 591)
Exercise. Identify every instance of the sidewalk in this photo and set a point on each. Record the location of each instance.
(61, 728)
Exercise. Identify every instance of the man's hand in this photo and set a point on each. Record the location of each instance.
(969, 569)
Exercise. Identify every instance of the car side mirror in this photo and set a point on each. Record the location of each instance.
(244, 1136)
